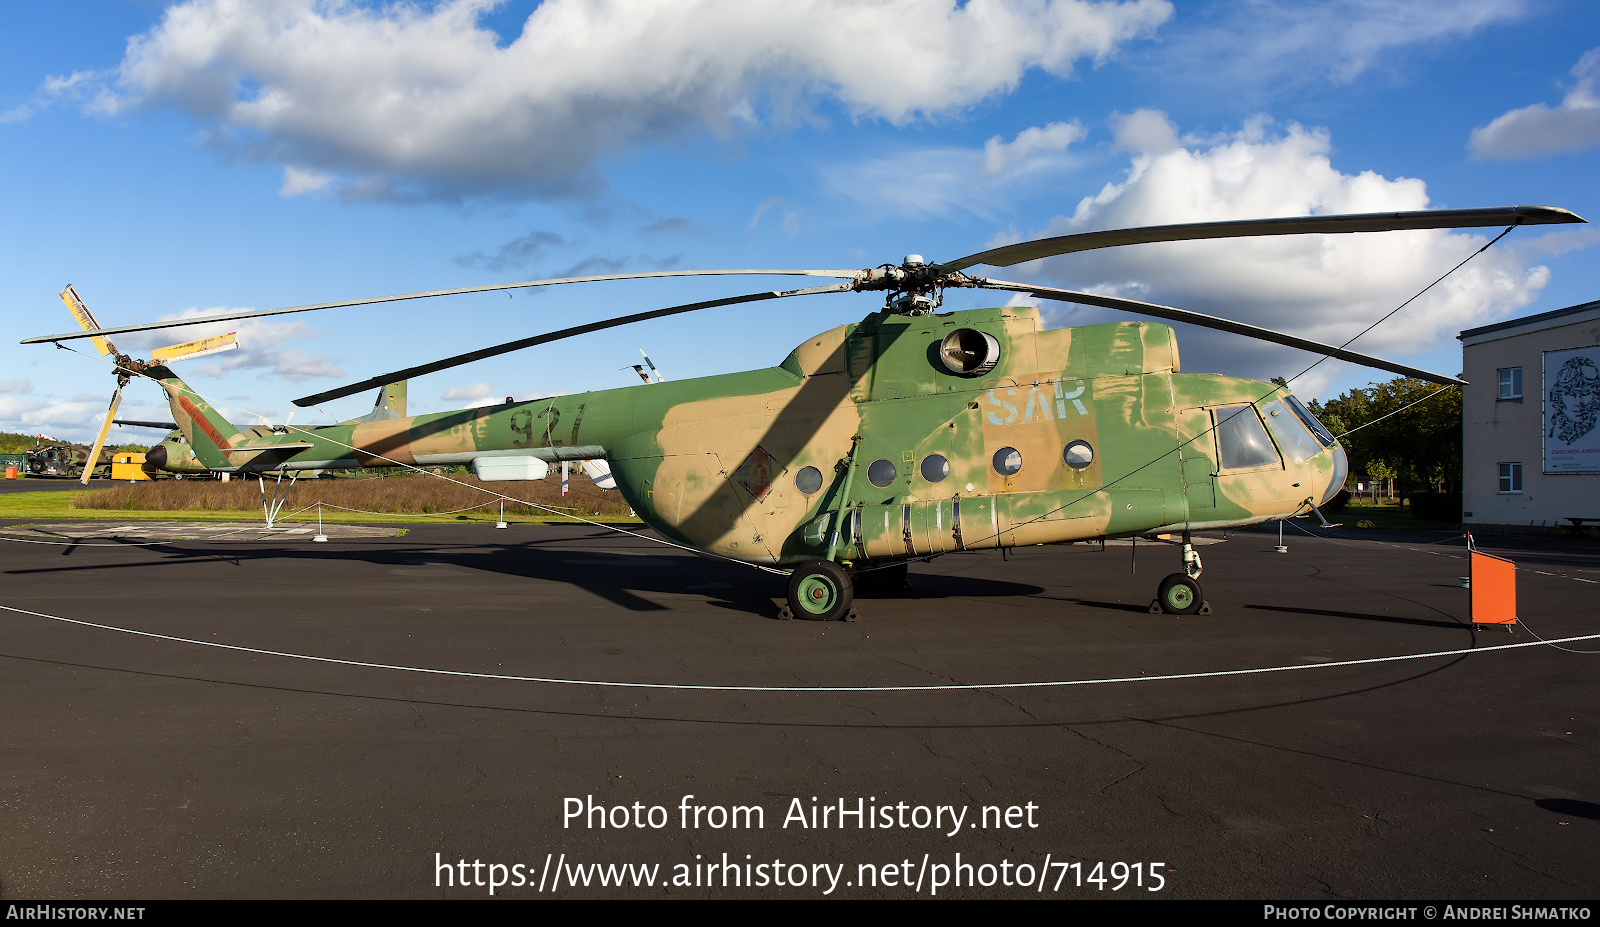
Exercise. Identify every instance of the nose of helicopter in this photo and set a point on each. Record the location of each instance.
(1341, 469)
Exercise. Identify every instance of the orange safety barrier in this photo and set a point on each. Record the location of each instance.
(11, 473)
(1494, 590)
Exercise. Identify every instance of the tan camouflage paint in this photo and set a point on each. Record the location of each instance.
(685, 452)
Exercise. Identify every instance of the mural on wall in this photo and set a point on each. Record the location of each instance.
(1571, 410)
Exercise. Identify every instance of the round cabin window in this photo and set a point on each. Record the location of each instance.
(1078, 455)
(1007, 461)
(808, 480)
(881, 473)
(935, 468)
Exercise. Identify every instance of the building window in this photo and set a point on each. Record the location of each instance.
(1510, 383)
(1510, 477)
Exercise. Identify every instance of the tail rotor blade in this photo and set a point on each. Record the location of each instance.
(100, 439)
(198, 348)
(86, 320)
(652, 365)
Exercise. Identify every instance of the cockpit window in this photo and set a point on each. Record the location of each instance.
(1317, 428)
(1293, 439)
(1242, 440)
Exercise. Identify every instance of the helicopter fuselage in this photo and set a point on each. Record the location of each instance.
(885, 440)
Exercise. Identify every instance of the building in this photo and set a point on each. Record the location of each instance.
(1531, 420)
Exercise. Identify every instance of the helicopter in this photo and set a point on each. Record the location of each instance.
(907, 435)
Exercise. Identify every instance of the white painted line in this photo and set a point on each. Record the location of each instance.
(710, 688)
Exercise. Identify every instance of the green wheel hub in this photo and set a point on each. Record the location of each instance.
(1179, 597)
(818, 594)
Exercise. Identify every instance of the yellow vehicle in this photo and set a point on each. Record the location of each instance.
(130, 466)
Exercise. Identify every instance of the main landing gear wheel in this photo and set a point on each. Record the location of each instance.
(1178, 594)
(819, 591)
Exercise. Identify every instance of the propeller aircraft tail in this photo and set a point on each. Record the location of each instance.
(391, 403)
(208, 431)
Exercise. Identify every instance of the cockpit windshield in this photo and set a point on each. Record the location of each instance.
(1317, 428)
(1293, 438)
(1241, 439)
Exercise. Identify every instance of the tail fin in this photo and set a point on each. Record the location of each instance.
(391, 404)
(209, 433)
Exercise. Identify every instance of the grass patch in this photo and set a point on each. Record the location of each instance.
(408, 499)
(1386, 518)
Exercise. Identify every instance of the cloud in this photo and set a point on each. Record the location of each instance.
(31, 416)
(518, 252)
(15, 386)
(262, 346)
(938, 181)
(1002, 157)
(299, 181)
(1538, 130)
(404, 99)
(674, 225)
(467, 393)
(1148, 131)
(1268, 48)
(791, 214)
(1555, 244)
(54, 89)
(1326, 287)
(474, 396)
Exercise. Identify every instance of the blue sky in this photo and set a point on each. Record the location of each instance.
(224, 154)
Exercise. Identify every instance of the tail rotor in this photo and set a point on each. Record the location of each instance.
(129, 367)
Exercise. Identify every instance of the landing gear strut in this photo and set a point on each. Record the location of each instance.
(1180, 593)
(819, 590)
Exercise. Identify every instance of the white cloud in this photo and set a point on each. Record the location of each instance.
(262, 346)
(1326, 287)
(1538, 130)
(52, 416)
(1001, 157)
(1270, 47)
(1557, 243)
(468, 393)
(937, 181)
(298, 181)
(14, 386)
(51, 91)
(402, 97)
(1147, 131)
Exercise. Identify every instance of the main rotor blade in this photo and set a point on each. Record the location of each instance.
(509, 346)
(1007, 255)
(1224, 325)
(100, 439)
(164, 426)
(526, 284)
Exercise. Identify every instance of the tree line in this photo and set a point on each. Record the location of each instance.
(1419, 447)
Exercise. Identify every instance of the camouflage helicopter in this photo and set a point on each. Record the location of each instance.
(175, 456)
(909, 434)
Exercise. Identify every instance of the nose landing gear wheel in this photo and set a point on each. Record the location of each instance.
(1179, 595)
(819, 591)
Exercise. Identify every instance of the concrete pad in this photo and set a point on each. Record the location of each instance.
(191, 531)
(141, 766)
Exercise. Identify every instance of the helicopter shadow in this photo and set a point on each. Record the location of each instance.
(625, 579)
(1359, 616)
